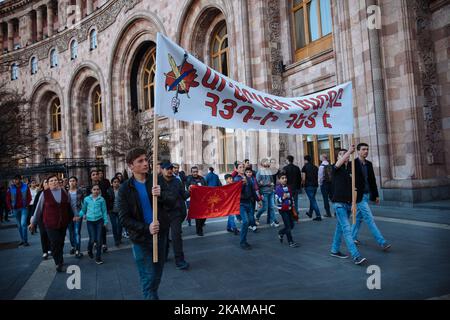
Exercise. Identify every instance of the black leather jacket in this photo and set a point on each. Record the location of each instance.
(130, 211)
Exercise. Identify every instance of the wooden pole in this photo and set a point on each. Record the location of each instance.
(155, 182)
(353, 184)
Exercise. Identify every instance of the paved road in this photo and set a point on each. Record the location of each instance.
(416, 268)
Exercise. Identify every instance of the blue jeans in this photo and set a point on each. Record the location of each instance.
(95, 235)
(150, 273)
(77, 234)
(231, 224)
(344, 229)
(71, 228)
(21, 218)
(246, 212)
(325, 190)
(311, 193)
(364, 212)
(268, 205)
(116, 227)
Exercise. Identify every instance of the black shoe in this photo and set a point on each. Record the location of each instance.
(293, 245)
(328, 215)
(104, 248)
(230, 230)
(21, 243)
(359, 260)
(90, 254)
(338, 255)
(309, 214)
(317, 219)
(60, 268)
(236, 232)
(246, 246)
(26, 244)
(357, 242)
(72, 251)
(98, 261)
(200, 233)
(45, 256)
(386, 246)
(183, 265)
(280, 237)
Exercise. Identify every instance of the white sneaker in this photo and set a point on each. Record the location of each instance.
(274, 224)
(253, 228)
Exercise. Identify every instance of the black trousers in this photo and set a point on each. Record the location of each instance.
(45, 241)
(57, 237)
(199, 223)
(177, 240)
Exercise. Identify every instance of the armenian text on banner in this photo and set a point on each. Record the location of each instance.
(187, 89)
(213, 202)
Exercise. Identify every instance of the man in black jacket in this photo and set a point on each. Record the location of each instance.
(176, 210)
(294, 179)
(136, 215)
(367, 191)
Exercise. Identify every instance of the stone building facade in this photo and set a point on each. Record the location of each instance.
(87, 64)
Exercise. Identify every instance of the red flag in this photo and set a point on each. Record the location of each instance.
(213, 202)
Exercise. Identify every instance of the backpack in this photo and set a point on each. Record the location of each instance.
(327, 173)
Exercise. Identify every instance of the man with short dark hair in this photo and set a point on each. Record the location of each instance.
(364, 171)
(212, 179)
(18, 198)
(310, 181)
(294, 180)
(196, 180)
(173, 188)
(342, 202)
(136, 215)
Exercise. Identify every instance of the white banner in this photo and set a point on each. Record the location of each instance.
(187, 89)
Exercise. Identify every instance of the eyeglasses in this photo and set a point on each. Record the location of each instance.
(194, 171)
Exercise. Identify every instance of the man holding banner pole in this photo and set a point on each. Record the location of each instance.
(343, 202)
(136, 196)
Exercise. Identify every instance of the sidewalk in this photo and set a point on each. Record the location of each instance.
(416, 268)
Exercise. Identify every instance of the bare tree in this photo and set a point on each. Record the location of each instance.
(18, 132)
(137, 133)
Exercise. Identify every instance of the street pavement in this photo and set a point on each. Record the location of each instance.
(415, 268)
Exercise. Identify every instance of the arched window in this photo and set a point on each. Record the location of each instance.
(56, 119)
(97, 109)
(312, 27)
(73, 50)
(53, 58)
(219, 50)
(148, 83)
(14, 71)
(34, 65)
(93, 39)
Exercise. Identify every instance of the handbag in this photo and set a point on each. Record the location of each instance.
(294, 214)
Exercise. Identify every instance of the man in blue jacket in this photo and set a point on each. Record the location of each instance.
(136, 215)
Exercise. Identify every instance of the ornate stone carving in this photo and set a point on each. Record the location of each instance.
(101, 21)
(427, 69)
(276, 59)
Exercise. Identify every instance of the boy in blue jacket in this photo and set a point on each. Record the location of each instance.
(284, 201)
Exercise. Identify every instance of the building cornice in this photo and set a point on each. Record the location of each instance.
(101, 20)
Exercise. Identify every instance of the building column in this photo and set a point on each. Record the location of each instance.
(39, 25)
(49, 19)
(62, 14)
(30, 28)
(79, 10)
(10, 36)
(1, 37)
(89, 7)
